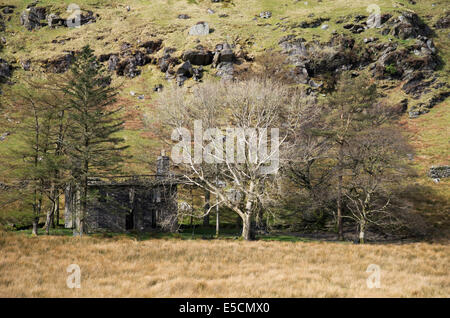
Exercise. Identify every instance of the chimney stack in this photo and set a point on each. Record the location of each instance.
(162, 165)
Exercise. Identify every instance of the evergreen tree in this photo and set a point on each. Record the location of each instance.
(92, 143)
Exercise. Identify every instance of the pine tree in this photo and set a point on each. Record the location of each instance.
(92, 142)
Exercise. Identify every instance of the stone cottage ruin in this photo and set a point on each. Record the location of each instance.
(141, 203)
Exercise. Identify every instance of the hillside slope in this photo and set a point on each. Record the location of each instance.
(403, 44)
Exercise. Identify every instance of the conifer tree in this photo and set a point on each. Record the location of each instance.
(93, 146)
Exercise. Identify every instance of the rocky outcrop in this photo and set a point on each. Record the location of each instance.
(225, 70)
(314, 58)
(5, 71)
(408, 25)
(167, 62)
(424, 107)
(223, 53)
(313, 23)
(60, 64)
(151, 46)
(36, 17)
(53, 20)
(198, 56)
(399, 63)
(31, 18)
(127, 61)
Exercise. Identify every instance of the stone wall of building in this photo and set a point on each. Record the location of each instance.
(119, 207)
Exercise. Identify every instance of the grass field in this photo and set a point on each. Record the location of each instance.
(126, 267)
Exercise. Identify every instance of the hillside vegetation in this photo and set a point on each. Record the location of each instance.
(150, 41)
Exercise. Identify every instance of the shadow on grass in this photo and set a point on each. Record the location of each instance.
(185, 233)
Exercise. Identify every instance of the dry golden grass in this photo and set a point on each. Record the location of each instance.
(36, 267)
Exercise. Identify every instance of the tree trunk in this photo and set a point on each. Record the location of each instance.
(362, 229)
(217, 220)
(339, 197)
(207, 206)
(35, 226)
(48, 220)
(83, 208)
(57, 212)
(248, 228)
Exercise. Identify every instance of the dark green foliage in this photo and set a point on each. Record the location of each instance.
(93, 146)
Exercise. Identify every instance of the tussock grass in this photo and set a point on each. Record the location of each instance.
(123, 267)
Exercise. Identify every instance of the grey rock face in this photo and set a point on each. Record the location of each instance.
(200, 29)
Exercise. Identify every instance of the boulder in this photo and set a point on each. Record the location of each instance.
(223, 53)
(183, 16)
(128, 68)
(198, 73)
(26, 65)
(300, 75)
(198, 57)
(54, 20)
(166, 62)
(439, 172)
(32, 17)
(8, 9)
(112, 62)
(3, 137)
(265, 15)
(225, 70)
(185, 69)
(200, 29)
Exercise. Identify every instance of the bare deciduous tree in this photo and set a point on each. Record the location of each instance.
(375, 158)
(254, 107)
